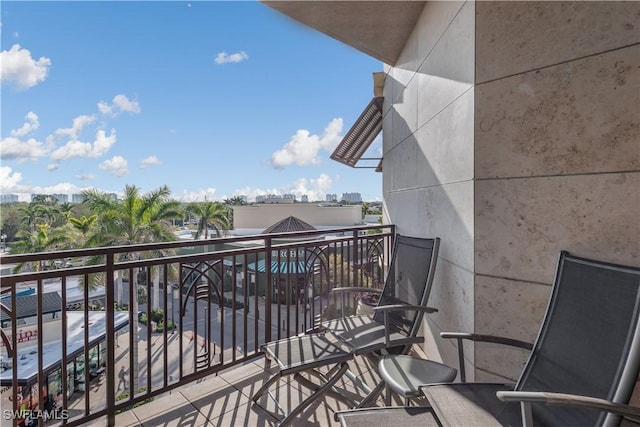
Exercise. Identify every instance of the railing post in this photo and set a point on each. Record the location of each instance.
(111, 344)
(355, 258)
(267, 289)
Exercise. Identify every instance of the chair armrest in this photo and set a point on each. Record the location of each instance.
(487, 338)
(564, 399)
(459, 336)
(385, 309)
(356, 289)
(405, 307)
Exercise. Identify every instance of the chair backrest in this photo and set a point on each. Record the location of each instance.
(409, 280)
(588, 341)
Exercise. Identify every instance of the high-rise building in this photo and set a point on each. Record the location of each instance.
(8, 198)
(332, 197)
(62, 198)
(352, 197)
(77, 198)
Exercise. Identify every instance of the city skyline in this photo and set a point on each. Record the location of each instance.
(248, 106)
(350, 197)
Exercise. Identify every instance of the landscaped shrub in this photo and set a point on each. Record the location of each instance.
(157, 317)
(125, 395)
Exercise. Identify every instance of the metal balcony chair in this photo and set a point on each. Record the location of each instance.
(581, 371)
(393, 328)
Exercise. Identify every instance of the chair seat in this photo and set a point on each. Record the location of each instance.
(472, 405)
(364, 335)
(405, 374)
(305, 352)
(414, 416)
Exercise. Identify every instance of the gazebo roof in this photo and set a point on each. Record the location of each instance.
(289, 224)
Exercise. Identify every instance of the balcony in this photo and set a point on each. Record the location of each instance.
(201, 311)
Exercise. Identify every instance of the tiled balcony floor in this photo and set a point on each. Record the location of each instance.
(225, 400)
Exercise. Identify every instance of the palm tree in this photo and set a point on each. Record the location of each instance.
(43, 238)
(235, 201)
(365, 209)
(32, 215)
(210, 214)
(137, 218)
(65, 209)
(83, 224)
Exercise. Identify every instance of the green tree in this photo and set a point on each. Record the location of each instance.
(43, 238)
(64, 211)
(235, 201)
(137, 218)
(210, 215)
(10, 218)
(83, 224)
(32, 215)
(365, 209)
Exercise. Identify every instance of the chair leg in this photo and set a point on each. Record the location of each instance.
(387, 395)
(325, 388)
(371, 397)
(266, 386)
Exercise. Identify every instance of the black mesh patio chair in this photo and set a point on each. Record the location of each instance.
(393, 327)
(581, 370)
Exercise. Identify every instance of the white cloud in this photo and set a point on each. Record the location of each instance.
(74, 131)
(12, 148)
(116, 166)
(125, 104)
(150, 161)
(53, 166)
(17, 67)
(198, 195)
(10, 184)
(31, 125)
(85, 177)
(303, 148)
(251, 192)
(120, 103)
(76, 148)
(9, 179)
(313, 188)
(225, 58)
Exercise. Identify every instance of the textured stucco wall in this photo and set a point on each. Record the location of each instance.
(557, 154)
(428, 157)
(511, 131)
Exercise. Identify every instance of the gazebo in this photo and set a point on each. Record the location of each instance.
(289, 268)
(287, 225)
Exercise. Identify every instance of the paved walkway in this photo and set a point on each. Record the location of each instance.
(225, 400)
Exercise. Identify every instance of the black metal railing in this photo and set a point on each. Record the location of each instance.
(75, 349)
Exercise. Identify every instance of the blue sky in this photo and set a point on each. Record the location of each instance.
(213, 99)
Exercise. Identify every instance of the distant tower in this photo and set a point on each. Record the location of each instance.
(352, 197)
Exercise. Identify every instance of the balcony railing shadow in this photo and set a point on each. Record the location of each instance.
(103, 330)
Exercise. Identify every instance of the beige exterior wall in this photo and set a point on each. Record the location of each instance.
(261, 216)
(557, 153)
(428, 179)
(511, 131)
